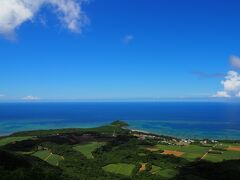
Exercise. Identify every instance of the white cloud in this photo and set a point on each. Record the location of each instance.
(31, 98)
(235, 61)
(221, 94)
(13, 13)
(231, 82)
(128, 39)
(238, 94)
(231, 85)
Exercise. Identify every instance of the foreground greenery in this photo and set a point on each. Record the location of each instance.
(113, 152)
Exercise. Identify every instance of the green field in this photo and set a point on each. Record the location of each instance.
(47, 156)
(54, 159)
(191, 152)
(155, 169)
(42, 154)
(166, 173)
(226, 155)
(87, 149)
(8, 140)
(120, 168)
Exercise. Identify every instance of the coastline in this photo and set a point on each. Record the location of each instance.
(180, 137)
(147, 132)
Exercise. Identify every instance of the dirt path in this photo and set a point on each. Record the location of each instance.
(48, 157)
(207, 152)
(203, 156)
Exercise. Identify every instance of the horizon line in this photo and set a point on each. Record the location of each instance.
(182, 99)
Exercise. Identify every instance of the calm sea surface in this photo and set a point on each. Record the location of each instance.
(186, 120)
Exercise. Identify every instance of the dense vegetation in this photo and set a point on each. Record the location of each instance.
(111, 152)
(14, 166)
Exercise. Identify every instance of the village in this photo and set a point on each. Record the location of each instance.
(167, 140)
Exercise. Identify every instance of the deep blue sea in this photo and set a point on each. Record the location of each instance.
(212, 120)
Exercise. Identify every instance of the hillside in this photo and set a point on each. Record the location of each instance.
(114, 152)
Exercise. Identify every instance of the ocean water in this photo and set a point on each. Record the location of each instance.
(182, 119)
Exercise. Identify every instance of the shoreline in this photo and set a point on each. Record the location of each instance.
(129, 128)
(179, 137)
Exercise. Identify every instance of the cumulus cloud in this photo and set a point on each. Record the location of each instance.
(231, 85)
(221, 94)
(13, 13)
(30, 98)
(235, 61)
(231, 82)
(128, 39)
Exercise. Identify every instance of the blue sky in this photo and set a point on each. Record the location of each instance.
(125, 49)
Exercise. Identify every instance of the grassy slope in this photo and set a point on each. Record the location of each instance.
(8, 140)
(47, 156)
(42, 154)
(87, 149)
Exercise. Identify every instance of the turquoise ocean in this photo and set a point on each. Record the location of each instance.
(213, 120)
